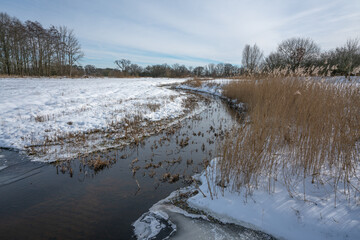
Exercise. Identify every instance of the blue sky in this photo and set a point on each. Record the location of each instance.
(190, 32)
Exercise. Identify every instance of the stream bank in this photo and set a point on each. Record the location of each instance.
(53, 203)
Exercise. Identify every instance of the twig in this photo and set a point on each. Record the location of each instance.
(197, 186)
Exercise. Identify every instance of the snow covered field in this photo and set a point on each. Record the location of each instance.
(34, 110)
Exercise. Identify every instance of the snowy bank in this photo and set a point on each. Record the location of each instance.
(36, 110)
(214, 87)
(278, 213)
(257, 215)
(165, 220)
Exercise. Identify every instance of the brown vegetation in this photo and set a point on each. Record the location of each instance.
(153, 106)
(195, 82)
(295, 128)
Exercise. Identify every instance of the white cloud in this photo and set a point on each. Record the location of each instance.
(184, 29)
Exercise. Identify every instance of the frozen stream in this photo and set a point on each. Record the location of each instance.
(45, 201)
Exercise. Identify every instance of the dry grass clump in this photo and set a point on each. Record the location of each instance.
(295, 129)
(98, 163)
(43, 118)
(153, 106)
(196, 82)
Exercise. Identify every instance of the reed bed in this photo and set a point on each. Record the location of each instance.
(296, 129)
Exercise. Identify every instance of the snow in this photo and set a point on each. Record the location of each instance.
(275, 213)
(279, 214)
(213, 87)
(2, 161)
(354, 80)
(283, 215)
(152, 223)
(80, 105)
(33, 109)
(166, 221)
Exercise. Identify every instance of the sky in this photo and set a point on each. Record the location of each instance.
(190, 32)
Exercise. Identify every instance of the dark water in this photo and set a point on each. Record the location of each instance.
(39, 201)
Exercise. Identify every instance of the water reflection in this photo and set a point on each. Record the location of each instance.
(72, 200)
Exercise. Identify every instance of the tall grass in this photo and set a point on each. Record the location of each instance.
(295, 129)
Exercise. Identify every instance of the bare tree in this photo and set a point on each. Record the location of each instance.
(210, 70)
(252, 58)
(61, 50)
(273, 61)
(5, 42)
(123, 65)
(90, 70)
(135, 70)
(178, 70)
(29, 48)
(297, 52)
(219, 69)
(73, 50)
(198, 71)
(228, 70)
(346, 58)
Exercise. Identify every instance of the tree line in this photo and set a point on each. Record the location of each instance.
(125, 68)
(27, 48)
(301, 56)
(30, 49)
